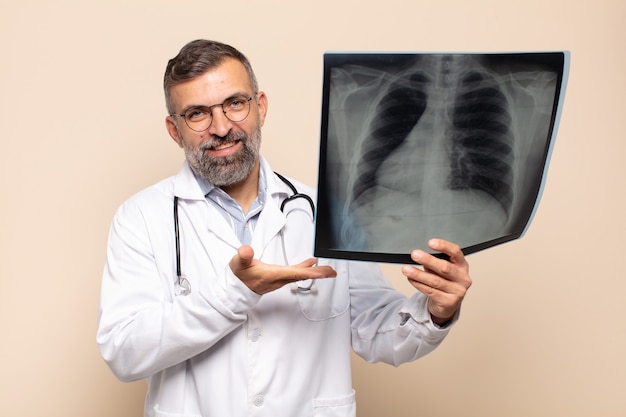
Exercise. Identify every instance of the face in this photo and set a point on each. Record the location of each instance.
(227, 153)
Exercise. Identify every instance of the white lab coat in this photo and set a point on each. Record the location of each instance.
(224, 350)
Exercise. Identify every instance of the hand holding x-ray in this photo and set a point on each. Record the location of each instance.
(445, 282)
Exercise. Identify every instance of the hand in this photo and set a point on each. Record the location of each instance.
(263, 278)
(444, 282)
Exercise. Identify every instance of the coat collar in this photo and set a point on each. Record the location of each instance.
(186, 185)
(271, 219)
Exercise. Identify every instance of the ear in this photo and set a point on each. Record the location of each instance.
(172, 129)
(262, 103)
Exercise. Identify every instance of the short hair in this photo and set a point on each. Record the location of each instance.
(198, 57)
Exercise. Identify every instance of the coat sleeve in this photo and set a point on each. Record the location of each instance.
(142, 327)
(386, 325)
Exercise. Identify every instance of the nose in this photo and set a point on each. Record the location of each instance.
(221, 125)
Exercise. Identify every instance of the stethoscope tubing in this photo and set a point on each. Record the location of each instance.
(184, 288)
(295, 195)
(177, 235)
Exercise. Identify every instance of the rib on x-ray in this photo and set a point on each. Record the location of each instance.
(416, 146)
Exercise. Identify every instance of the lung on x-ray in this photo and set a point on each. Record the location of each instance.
(422, 145)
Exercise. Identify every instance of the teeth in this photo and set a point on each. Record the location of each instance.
(224, 146)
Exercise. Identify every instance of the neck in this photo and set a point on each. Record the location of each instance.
(246, 191)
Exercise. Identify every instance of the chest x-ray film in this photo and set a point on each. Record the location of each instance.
(423, 145)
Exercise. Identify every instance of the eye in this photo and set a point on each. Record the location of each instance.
(197, 113)
(236, 103)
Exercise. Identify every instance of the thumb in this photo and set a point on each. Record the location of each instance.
(244, 257)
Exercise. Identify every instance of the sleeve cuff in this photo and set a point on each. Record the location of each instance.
(416, 309)
(231, 296)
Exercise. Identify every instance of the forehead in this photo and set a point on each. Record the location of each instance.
(212, 86)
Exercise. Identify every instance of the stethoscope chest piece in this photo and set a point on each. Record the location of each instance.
(184, 288)
(305, 286)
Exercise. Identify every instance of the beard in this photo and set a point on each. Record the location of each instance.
(229, 170)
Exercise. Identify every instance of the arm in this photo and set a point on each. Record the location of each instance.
(143, 328)
(389, 327)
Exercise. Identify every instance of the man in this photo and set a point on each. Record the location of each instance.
(226, 336)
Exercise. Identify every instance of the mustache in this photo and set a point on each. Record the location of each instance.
(218, 140)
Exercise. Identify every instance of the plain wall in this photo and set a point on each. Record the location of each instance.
(82, 128)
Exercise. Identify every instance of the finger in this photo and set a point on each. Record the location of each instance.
(451, 249)
(429, 262)
(425, 281)
(445, 268)
(436, 273)
(324, 271)
(307, 263)
(307, 269)
(445, 296)
(423, 288)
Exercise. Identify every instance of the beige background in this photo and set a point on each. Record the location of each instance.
(81, 108)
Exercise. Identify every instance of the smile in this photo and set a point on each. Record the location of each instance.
(224, 145)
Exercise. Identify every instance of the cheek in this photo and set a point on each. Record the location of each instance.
(192, 140)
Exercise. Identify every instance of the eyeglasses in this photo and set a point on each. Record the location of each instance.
(199, 118)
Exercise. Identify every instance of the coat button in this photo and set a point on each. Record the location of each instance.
(254, 336)
(259, 400)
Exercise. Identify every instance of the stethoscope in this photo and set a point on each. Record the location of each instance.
(183, 285)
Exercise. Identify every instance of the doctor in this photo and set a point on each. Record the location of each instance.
(246, 323)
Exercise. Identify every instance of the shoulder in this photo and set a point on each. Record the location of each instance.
(279, 181)
(155, 198)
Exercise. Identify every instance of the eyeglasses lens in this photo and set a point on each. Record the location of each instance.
(236, 109)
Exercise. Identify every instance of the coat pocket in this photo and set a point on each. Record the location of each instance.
(335, 407)
(161, 413)
(325, 298)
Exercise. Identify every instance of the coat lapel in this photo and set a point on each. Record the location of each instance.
(271, 219)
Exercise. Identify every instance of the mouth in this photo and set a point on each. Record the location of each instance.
(223, 148)
(224, 145)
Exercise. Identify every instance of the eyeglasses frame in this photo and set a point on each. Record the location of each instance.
(210, 108)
